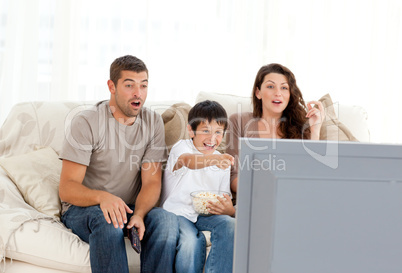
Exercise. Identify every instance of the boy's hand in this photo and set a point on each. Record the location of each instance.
(224, 161)
(223, 207)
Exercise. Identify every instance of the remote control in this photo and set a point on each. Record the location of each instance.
(134, 239)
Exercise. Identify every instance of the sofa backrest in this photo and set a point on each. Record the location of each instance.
(354, 117)
(32, 124)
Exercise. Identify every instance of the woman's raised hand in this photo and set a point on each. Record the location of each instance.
(316, 116)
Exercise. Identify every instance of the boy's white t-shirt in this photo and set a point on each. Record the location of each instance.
(178, 185)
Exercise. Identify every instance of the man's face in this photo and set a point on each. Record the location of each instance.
(128, 96)
(207, 137)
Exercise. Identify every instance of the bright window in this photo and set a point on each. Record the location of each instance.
(62, 49)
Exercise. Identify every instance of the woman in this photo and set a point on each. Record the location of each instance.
(279, 111)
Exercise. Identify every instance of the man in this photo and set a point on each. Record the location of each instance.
(111, 176)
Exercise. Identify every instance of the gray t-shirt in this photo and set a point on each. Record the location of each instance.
(113, 152)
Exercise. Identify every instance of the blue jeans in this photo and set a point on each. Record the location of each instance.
(106, 243)
(191, 248)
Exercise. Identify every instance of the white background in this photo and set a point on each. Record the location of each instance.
(62, 50)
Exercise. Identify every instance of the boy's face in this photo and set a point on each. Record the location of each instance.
(207, 137)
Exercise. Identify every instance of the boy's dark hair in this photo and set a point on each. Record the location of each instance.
(127, 62)
(207, 110)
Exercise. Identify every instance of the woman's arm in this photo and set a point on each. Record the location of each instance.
(232, 147)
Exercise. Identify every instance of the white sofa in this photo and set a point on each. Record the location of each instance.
(32, 239)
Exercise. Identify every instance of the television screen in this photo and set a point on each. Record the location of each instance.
(318, 207)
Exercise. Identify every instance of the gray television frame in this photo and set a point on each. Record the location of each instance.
(318, 207)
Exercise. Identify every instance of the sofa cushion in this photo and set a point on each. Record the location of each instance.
(175, 119)
(231, 103)
(354, 117)
(332, 128)
(38, 123)
(37, 176)
(38, 239)
(50, 244)
(34, 237)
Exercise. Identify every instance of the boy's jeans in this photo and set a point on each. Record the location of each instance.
(106, 243)
(191, 248)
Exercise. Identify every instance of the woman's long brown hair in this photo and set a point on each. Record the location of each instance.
(293, 121)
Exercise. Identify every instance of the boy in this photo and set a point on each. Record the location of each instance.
(195, 164)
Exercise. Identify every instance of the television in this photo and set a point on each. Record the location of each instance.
(308, 206)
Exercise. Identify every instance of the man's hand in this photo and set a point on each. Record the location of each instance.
(114, 209)
(151, 176)
(138, 222)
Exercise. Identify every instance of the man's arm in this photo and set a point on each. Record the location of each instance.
(151, 177)
(72, 191)
(199, 161)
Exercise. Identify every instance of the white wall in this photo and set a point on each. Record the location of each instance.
(62, 50)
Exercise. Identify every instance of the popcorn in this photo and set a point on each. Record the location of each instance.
(200, 201)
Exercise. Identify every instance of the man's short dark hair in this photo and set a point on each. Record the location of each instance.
(207, 111)
(127, 62)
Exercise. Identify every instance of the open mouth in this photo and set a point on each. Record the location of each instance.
(276, 102)
(209, 146)
(136, 103)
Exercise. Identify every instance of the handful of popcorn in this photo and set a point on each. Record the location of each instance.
(200, 200)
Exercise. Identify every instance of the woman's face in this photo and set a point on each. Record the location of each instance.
(274, 94)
